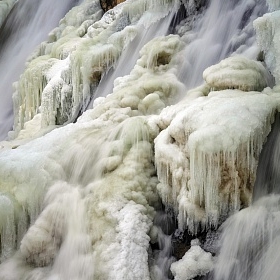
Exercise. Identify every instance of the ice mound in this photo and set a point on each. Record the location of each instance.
(196, 262)
(206, 154)
(236, 72)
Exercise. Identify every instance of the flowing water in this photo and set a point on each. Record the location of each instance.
(27, 25)
(164, 223)
(250, 243)
(124, 66)
(225, 28)
(251, 238)
(63, 238)
(268, 173)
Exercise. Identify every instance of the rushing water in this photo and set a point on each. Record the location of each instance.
(250, 243)
(28, 24)
(63, 233)
(250, 239)
(225, 27)
(146, 32)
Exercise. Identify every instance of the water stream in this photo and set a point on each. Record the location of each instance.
(124, 65)
(225, 28)
(251, 238)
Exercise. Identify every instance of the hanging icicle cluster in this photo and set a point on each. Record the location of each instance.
(207, 153)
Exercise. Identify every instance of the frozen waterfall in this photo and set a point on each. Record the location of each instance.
(27, 25)
(141, 140)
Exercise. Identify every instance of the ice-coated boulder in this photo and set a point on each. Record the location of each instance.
(237, 72)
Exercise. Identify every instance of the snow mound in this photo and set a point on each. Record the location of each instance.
(196, 262)
(236, 72)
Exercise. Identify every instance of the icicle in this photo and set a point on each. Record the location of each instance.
(219, 155)
(27, 98)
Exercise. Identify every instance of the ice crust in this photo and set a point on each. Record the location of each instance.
(237, 72)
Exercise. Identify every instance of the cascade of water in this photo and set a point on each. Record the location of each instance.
(268, 173)
(250, 238)
(162, 258)
(26, 26)
(147, 32)
(250, 243)
(95, 224)
(225, 27)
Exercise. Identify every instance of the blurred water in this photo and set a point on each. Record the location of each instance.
(250, 239)
(124, 65)
(225, 28)
(268, 172)
(162, 256)
(250, 243)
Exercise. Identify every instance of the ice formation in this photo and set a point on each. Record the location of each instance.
(237, 73)
(78, 201)
(267, 38)
(207, 153)
(116, 140)
(79, 52)
(196, 262)
(38, 18)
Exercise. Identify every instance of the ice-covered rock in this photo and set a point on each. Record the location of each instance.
(206, 155)
(237, 72)
(196, 262)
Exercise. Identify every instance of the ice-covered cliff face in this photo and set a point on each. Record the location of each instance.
(78, 199)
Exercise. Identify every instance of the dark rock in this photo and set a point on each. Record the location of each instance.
(107, 5)
(181, 243)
